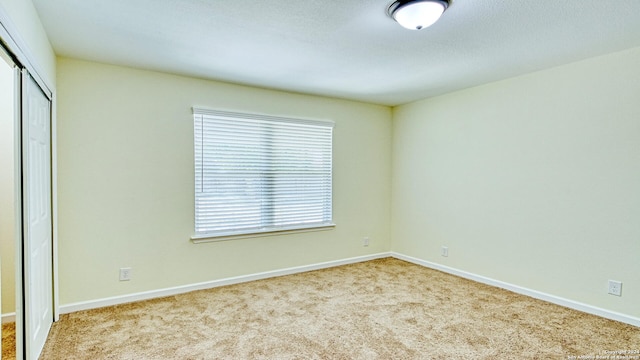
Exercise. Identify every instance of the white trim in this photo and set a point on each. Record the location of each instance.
(54, 204)
(631, 320)
(205, 238)
(18, 47)
(147, 295)
(8, 318)
(117, 300)
(19, 258)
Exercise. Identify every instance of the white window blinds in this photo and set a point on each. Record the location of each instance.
(256, 173)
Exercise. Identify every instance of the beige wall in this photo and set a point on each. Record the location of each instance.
(534, 180)
(531, 181)
(7, 203)
(125, 187)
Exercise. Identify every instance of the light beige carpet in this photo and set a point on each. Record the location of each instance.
(382, 309)
(8, 341)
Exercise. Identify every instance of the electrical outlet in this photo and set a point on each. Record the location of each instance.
(365, 241)
(444, 251)
(615, 288)
(125, 274)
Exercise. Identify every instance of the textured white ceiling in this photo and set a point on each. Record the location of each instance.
(341, 48)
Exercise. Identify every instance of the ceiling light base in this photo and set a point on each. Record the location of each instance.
(417, 14)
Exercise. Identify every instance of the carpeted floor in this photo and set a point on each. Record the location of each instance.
(9, 341)
(382, 309)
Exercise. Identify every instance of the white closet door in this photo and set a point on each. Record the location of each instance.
(37, 225)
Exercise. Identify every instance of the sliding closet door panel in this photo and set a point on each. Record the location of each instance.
(37, 220)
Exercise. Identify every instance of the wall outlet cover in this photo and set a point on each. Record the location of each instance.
(444, 251)
(615, 288)
(125, 274)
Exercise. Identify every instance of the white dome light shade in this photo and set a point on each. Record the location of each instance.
(417, 14)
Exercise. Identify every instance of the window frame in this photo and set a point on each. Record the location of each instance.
(199, 237)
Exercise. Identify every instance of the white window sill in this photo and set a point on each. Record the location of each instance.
(205, 238)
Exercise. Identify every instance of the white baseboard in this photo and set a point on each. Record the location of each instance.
(147, 295)
(631, 320)
(9, 318)
(117, 300)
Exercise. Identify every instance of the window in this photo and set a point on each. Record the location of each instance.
(259, 174)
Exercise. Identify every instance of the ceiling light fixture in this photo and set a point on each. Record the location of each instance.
(417, 14)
